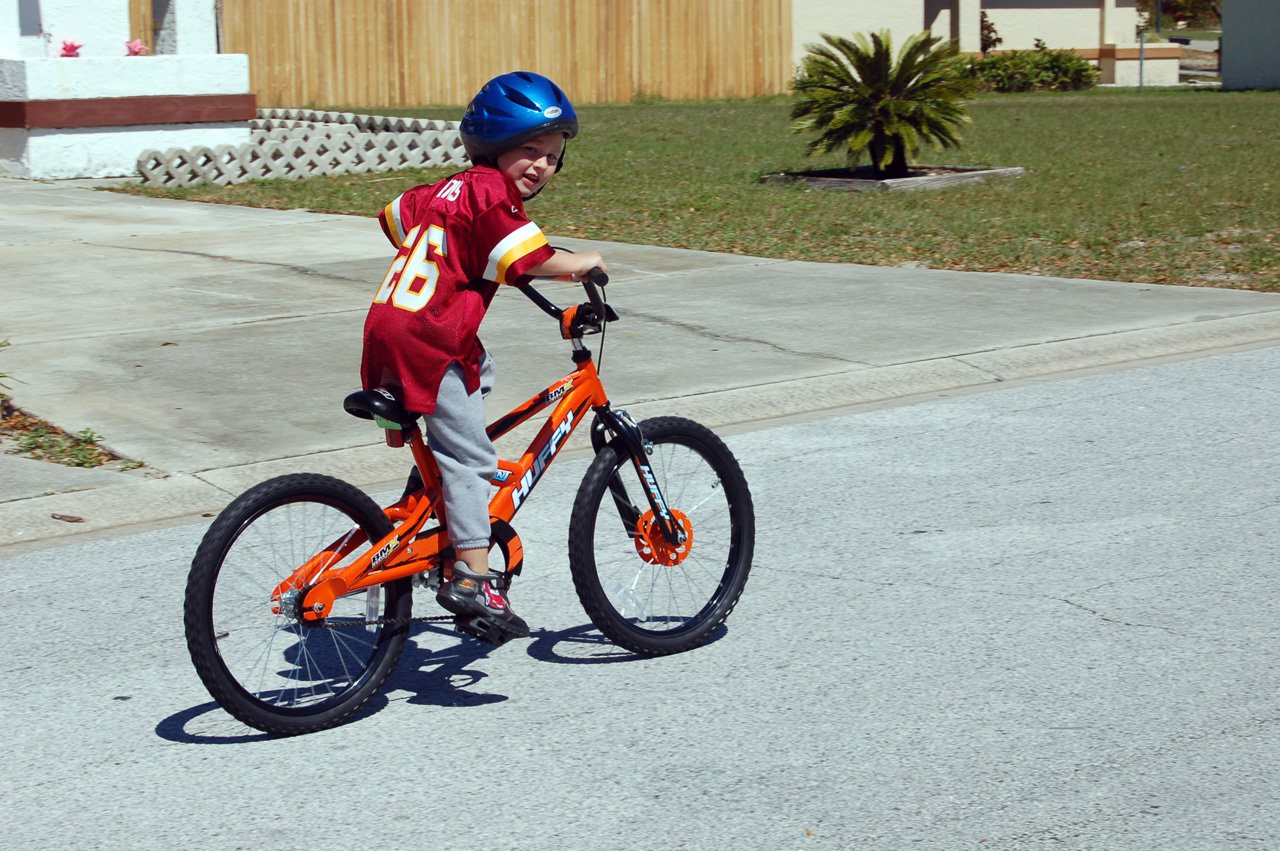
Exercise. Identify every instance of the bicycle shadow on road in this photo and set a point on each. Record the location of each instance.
(174, 728)
(444, 677)
(433, 677)
(584, 645)
(441, 677)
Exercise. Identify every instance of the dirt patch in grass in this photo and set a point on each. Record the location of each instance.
(31, 437)
(1199, 61)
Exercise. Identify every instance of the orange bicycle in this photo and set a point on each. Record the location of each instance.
(299, 600)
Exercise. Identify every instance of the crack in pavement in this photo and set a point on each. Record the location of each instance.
(1099, 614)
(302, 270)
(733, 338)
(170, 330)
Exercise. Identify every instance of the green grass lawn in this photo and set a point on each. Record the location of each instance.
(1175, 187)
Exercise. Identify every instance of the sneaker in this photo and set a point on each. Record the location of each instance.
(483, 609)
(414, 484)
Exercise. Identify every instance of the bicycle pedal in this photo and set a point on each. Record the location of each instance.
(483, 629)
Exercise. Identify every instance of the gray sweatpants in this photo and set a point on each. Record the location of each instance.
(467, 459)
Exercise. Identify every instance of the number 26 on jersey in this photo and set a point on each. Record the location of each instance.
(411, 280)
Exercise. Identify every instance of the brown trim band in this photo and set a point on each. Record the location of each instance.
(127, 112)
(1110, 51)
(1151, 53)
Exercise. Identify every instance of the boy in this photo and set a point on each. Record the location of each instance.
(458, 240)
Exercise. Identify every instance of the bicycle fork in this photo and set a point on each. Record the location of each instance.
(626, 430)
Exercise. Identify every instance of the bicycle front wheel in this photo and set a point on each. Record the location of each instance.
(257, 657)
(641, 591)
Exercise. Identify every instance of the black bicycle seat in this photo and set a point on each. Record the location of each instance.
(380, 403)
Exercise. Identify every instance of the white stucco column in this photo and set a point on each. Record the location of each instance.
(102, 27)
(967, 15)
(9, 29)
(1109, 30)
(188, 27)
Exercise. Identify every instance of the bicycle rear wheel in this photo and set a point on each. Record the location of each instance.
(268, 668)
(640, 591)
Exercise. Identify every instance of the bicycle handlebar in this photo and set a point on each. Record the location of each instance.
(591, 281)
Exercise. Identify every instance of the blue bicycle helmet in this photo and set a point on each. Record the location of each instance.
(512, 109)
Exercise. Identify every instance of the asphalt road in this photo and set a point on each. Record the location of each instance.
(1042, 617)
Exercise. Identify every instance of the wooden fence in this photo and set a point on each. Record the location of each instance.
(141, 25)
(371, 53)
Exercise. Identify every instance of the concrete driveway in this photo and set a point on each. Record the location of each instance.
(215, 343)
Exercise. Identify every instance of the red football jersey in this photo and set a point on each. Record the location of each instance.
(458, 239)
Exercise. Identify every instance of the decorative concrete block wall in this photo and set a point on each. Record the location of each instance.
(294, 143)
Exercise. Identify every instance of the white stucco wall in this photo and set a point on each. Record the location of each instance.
(102, 152)
(102, 26)
(938, 18)
(1066, 24)
(8, 28)
(1061, 24)
(115, 77)
(1132, 72)
(811, 18)
(196, 26)
(30, 71)
(20, 24)
(1250, 33)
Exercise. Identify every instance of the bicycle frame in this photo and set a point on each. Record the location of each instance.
(407, 550)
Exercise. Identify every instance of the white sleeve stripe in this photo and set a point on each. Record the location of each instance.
(517, 236)
(395, 216)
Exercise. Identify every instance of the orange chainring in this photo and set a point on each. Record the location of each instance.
(656, 549)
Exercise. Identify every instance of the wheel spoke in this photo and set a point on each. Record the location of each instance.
(640, 590)
(267, 668)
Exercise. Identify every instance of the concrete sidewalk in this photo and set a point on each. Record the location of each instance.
(216, 343)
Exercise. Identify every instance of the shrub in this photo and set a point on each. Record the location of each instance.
(1034, 70)
(861, 98)
(990, 38)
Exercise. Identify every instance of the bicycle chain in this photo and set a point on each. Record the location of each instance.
(384, 621)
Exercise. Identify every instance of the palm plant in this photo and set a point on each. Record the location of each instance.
(857, 96)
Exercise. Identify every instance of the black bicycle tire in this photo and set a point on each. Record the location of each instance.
(582, 557)
(202, 644)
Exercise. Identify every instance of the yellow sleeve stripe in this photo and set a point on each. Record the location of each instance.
(391, 219)
(520, 242)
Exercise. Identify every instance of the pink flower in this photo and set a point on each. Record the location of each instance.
(70, 49)
(136, 47)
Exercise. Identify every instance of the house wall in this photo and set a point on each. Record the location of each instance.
(939, 19)
(84, 116)
(1250, 32)
(101, 27)
(1065, 24)
(811, 18)
(1062, 24)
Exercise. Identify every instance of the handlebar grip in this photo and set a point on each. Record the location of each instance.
(589, 282)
